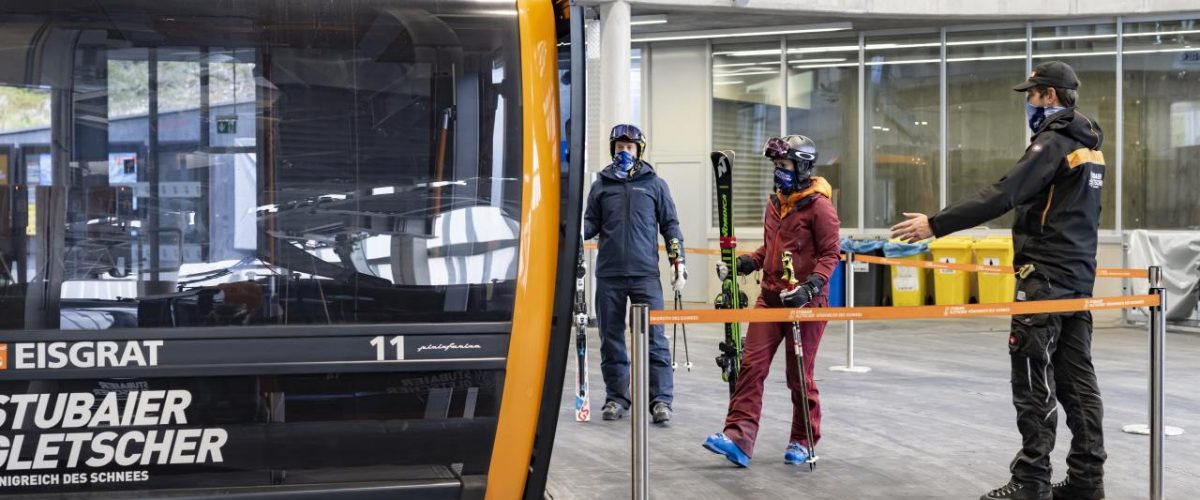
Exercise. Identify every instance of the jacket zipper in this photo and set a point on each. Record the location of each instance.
(628, 228)
(1046, 211)
(775, 240)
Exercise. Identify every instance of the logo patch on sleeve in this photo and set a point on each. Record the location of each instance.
(1095, 180)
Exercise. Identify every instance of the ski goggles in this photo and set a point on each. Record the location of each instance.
(779, 148)
(625, 132)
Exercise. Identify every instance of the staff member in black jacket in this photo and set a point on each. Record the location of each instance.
(1055, 190)
(627, 208)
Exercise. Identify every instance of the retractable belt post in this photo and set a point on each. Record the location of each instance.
(848, 277)
(1158, 333)
(639, 409)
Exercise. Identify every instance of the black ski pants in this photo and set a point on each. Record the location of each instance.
(1052, 364)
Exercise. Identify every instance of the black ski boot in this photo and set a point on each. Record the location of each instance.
(612, 411)
(1018, 491)
(1070, 490)
(662, 412)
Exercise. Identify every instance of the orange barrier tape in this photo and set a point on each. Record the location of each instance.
(695, 251)
(783, 315)
(1104, 272)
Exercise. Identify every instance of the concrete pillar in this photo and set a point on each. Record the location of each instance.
(615, 53)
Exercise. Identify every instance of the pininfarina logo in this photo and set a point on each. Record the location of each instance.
(448, 347)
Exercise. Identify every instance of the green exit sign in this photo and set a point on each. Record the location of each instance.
(227, 124)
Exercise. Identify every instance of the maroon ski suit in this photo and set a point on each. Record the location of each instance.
(805, 223)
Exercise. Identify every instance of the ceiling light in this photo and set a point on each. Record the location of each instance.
(986, 58)
(650, 19)
(1071, 37)
(747, 73)
(985, 42)
(1159, 33)
(738, 65)
(833, 65)
(818, 60)
(886, 46)
(912, 61)
(742, 32)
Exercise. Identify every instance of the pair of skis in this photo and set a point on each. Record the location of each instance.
(730, 358)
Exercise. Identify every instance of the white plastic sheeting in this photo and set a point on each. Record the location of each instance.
(1178, 253)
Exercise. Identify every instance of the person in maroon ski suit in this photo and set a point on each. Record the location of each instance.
(800, 218)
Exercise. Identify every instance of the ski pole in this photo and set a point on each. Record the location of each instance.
(789, 277)
(675, 338)
(674, 250)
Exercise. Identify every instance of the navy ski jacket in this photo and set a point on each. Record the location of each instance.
(628, 215)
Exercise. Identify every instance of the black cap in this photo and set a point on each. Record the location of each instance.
(1051, 74)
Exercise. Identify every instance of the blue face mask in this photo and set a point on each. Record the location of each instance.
(785, 180)
(1035, 115)
(625, 163)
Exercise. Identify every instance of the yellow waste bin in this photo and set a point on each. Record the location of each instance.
(909, 283)
(950, 286)
(995, 287)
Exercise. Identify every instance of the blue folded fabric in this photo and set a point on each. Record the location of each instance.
(895, 250)
(861, 246)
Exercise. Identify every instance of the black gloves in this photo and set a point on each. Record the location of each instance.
(745, 265)
(801, 295)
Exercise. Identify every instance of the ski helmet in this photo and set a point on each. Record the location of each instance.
(628, 133)
(800, 149)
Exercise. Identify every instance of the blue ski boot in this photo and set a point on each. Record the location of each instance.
(796, 454)
(721, 445)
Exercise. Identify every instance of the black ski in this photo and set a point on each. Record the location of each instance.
(583, 407)
(730, 359)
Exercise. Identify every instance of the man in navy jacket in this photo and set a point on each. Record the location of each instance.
(628, 207)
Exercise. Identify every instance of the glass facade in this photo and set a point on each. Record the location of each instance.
(901, 97)
(937, 107)
(822, 103)
(747, 110)
(1161, 73)
(985, 119)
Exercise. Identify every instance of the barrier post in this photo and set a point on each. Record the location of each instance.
(1158, 333)
(639, 387)
(849, 279)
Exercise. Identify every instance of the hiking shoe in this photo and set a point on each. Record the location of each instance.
(1069, 490)
(1018, 491)
(662, 412)
(612, 411)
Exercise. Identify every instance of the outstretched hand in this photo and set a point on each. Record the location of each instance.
(914, 228)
